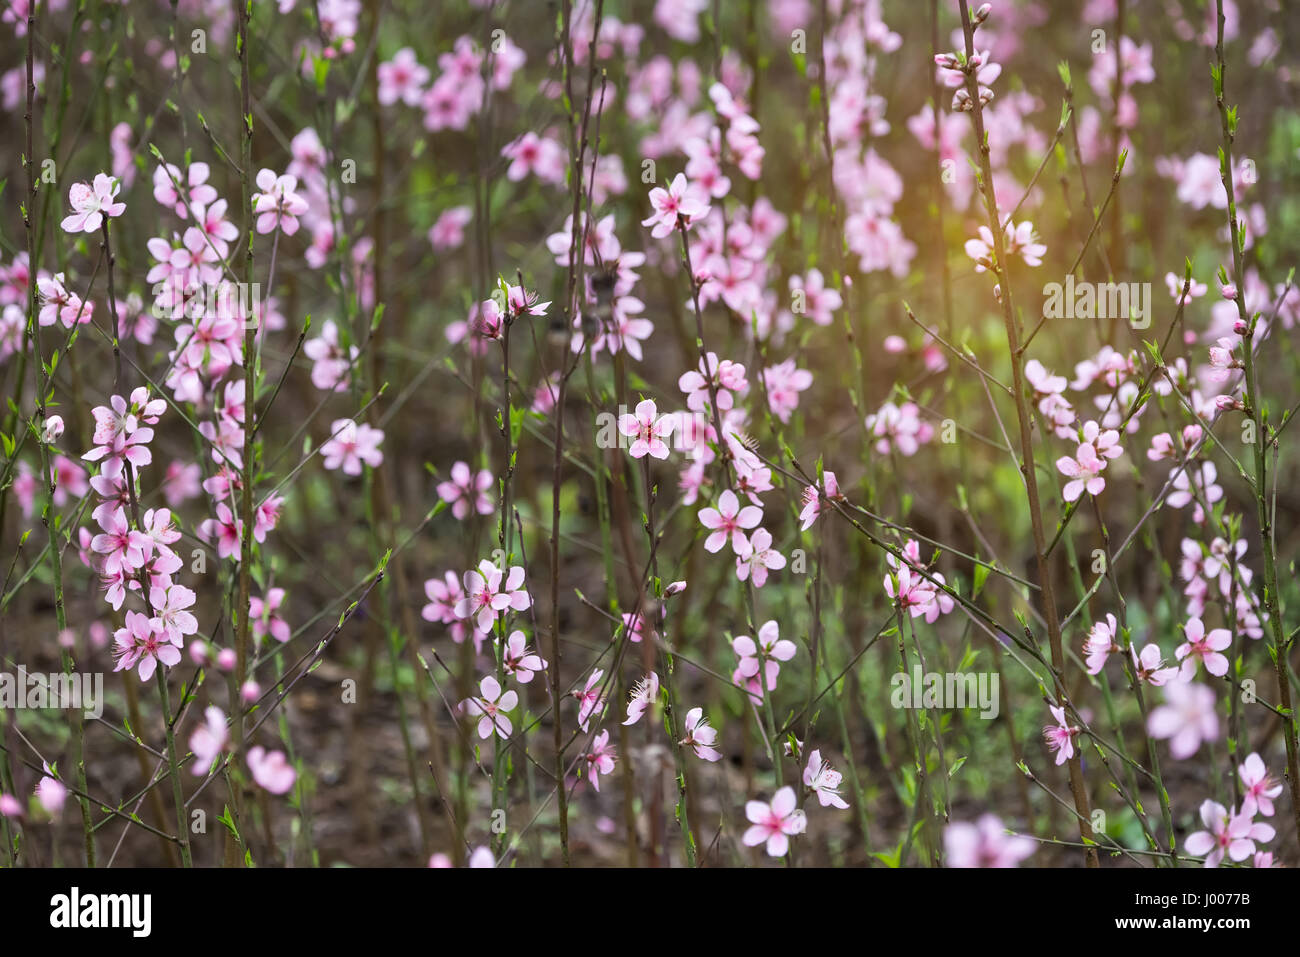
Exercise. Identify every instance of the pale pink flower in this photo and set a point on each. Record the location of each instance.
(209, 739)
(766, 654)
(169, 607)
(1149, 665)
(728, 521)
(1203, 647)
(92, 203)
(352, 444)
(490, 708)
(755, 557)
(643, 696)
(1060, 736)
(1260, 788)
(680, 199)
(600, 760)
(467, 491)
(197, 192)
(402, 78)
(1186, 718)
(1084, 471)
(448, 231)
(272, 770)
(489, 593)
(774, 824)
(225, 529)
(589, 698)
(646, 430)
(123, 547)
(277, 204)
(51, 792)
(1100, 644)
(262, 612)
(824, 781)
(1227, 834)
(984, 844)
(142, 642)
(331, 363)
(816, 500)
(899, 427)
(700, 737)
(520, 660)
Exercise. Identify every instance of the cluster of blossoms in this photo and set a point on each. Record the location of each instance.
(1233, 833)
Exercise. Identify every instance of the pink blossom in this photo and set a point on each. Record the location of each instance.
(774, 824)
(225, 529)
(984, 844)
(262, 612)
(402, 78)
(1203, 647)
(1186, 718)
(646, 430)
(197, 192)
(680, 200)
(467, 491)
(700, 737)
(51, 792)
(332, 364)
(589, 698)
(766, 654)
(448, 231)
(277, 204)
(520, 660)
(490, 707)
(1060, 736)
(123, 547)
(643, 696)
(1149, 665)
(487, 597)
(824, 781)
(600, 760)
(352, 444)
(209, 739)
(1260, 787)
(899, 427)
(60, 304)
(1227, 834)
(533, 155)
(755, 557)
(272, 770)
(728, 521)
(1100, 644)
(169, 607)
(143, 642)
(816, 500)
(92, 203)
